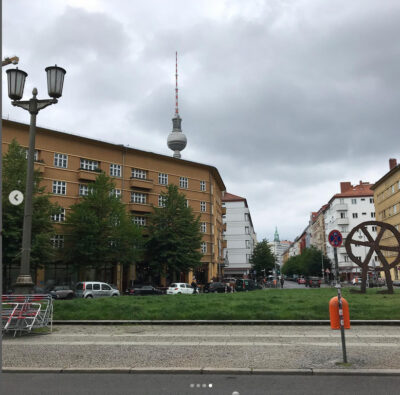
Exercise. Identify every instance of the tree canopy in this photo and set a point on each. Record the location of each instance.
(99, 230)
(174, 239)
(309, 263)
(262, 258)
(14, 178)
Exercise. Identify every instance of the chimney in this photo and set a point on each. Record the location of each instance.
(345, 186)
(392, 163)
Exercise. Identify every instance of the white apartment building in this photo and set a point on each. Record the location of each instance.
(346, 210)
(239, 236)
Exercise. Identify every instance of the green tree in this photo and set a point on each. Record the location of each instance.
(292, 266)
(311, 261)
(100, 232)
(174, 236)
(262, 258)
(14, 178)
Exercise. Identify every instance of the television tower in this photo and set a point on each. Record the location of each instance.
(176, 139)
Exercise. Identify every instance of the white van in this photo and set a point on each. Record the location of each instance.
(94, 289)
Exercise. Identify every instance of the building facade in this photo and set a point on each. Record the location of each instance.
(317, 230)
(387, 207)
(240, 237)
(278, 247)
(69, 163)
(345, 210)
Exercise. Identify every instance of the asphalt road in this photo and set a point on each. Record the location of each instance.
(178, 384)
(204, 346)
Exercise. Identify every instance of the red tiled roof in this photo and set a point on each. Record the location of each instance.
(229, 197)
(363, 189)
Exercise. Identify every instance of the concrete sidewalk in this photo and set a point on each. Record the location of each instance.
(232, 349)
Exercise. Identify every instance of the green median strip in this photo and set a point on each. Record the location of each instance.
(270, 304)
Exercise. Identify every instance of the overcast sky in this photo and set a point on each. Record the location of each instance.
(287, 98)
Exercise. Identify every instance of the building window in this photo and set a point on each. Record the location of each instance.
(138, 173)
(57, 241)
(372, 215)
(162, 200)
(371, 200)
(346, 258)
(59, 187)
(187, 203)
(83, 190)
(341, 201)
(138, 198)
(363, 199)
(247, 243)
(163, 178)
(393, 188)
(342, 214)
(364, 213)
(344, 228)
(202, 186)
(140, 221)
(394, 209)
(203, 227)
(247, 230)
(374, 228)
(355, 215)
(248, 257)
(116, 193)
(115, 170)
(183, 182)
(246, 217)
(35, 155)
(203, 207)
(203, 247)
(353, 201)
(212, 229)
(87, 164)
(59, 217)
(61, 160)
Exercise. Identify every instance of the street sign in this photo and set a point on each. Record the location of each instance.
(327, 271)
(335, 238)
(16, 197)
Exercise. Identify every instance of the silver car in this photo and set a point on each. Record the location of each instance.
(94, 289)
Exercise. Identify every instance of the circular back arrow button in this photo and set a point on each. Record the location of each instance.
(16, 197)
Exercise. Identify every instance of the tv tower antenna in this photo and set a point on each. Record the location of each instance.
(176, 139)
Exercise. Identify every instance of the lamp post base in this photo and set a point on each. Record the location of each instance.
(23, 285)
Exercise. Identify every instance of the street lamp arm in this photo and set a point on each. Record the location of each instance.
(34, 105)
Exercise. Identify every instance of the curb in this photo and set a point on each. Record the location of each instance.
(220, 322)
(210, 370)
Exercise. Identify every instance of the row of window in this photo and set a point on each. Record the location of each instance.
(61, 160)
(343, 214)
(389, 191)
(389, 212)
(58, 242)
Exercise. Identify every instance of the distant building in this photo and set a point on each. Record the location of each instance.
(387, 207)
(346, 210)
(278, 247)
(239, 236)
(317, 229)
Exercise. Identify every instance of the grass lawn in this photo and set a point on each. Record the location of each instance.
(271, 304)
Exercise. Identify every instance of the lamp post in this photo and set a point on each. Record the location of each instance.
(16, 82)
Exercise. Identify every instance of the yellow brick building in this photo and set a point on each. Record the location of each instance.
(69, 163)
(387, 209)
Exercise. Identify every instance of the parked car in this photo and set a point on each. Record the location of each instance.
(143, 290)
(179, 288)
(313, 282)
(301, 280)
(396, 283)
(94, 289)
(246, 285)
(217, 287)
(356, 281)
(62, 292)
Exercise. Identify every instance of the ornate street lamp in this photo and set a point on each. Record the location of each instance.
(16, 82)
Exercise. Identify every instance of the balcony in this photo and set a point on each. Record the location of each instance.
(340, 207)
(87, 175)
(141, 184)
(141, 207)
(342, 221)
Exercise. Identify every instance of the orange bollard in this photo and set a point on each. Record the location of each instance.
(334, 313)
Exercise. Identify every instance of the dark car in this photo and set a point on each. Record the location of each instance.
(216, 288)
(246, 285)
(62, 292)
(143, 290)
(313, 282)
